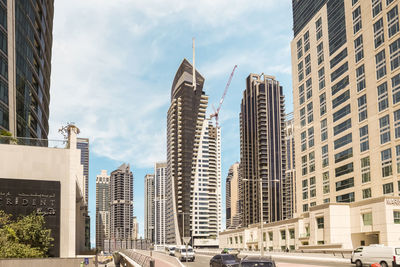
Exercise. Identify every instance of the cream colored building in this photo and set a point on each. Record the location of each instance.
(61, 165)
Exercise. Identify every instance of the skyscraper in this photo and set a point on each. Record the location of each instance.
(25, 65)
(193, 155)
(83, 145)
(102, 208)
(160, 177)
(149, 207)
(288, 183)
(121, 203)
(233, 202)
(262, 148)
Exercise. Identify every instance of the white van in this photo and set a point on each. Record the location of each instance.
(385, 256)
(182, 255)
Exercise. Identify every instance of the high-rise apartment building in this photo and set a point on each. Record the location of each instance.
(149, 207)
(193, 163)
(233, 202)
(121, 203)
(160, 179)
(102, 208)
(288, 183)
(262, 148)
(26, 34)
(346, 92)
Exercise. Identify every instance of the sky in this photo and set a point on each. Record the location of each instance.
(113, 63)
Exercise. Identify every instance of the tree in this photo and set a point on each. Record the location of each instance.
(25, 237)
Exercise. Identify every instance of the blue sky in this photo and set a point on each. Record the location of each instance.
(114, 61)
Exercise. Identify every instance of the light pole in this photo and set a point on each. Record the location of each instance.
(261, 213)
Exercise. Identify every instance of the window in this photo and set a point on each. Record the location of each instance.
(353, 2)
(376, 7)
(383, 101)
(336, 60)
(310, 116)
(336, 25)
(309, 88)
(341, 113)
(307, 64)
(346, 198)
(360, 74)
(396, 217)
(305, 207)
(393, 21)
(300, 71)
(310, 137)
(388, 188)
(398, 160)
(364, 141)
(384, 129)
(362, 108)
(341, 99)
(342, 127)
(394, 49)
(304, 165)
(324, 130)
(320, 223)
(322, 104)
(339, 71)
(321, 78)
(380, 61)
(311, 157)
(358, 47)
(325, 183)
(346, 154)
(271, 236)
(344, 184)
(367, 219)
(366, 193)
(306, 38)
(342, 141)
(386, 158)
(365, 170)
(325, 159)
(340, 85)
(320, 53)
(378, 33)
(396, 89)
(345, 169)
(312, 187)
(318, 26)
(357, 20)
(303, 136)
(388, 2)
(396, 116)
(283, 234)
(299, 48)
(291, 233)
(303, 117)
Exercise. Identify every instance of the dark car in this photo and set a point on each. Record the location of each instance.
(257, 261)
(224, 260)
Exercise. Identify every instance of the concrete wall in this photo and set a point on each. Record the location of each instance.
(49, 262)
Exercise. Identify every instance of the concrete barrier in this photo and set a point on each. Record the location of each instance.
(47, 262)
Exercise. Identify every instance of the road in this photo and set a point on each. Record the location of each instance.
(204, 261)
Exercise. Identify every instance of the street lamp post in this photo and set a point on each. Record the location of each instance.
(261, 214)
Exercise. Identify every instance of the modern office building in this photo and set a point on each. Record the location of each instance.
(262, 149)
(233, 202)
(191, 138)
(121, 203)
(288, 183)
(346, 92)
(26, 34)
(102, 208)
(149, 207)
(83, 145)
(160, 179)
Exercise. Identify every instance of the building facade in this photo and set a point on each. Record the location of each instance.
(288, 184)
(346, 91)
(190, 140)
(262, 148)
(102, 208)
(160, 179)
(149, 207)
(121, 203)
(83, 145)
(26, 31)
(233, 202)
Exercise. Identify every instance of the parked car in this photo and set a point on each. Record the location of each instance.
(224, 260)
(171, 250)
(257, 261)
(385, 256)
(183, 255)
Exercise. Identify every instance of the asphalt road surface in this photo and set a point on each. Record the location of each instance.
(204, 261)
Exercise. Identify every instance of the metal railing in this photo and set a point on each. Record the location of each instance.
(140, 259)
(26, 141)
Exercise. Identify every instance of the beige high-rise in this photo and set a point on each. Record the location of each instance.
(233, 202)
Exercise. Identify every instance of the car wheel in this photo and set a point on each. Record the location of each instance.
(358, 263)
(384, 264)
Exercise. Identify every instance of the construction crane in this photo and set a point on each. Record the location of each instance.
(216, 111)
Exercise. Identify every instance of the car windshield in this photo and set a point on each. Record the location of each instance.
(228, 257)
(256, 264)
